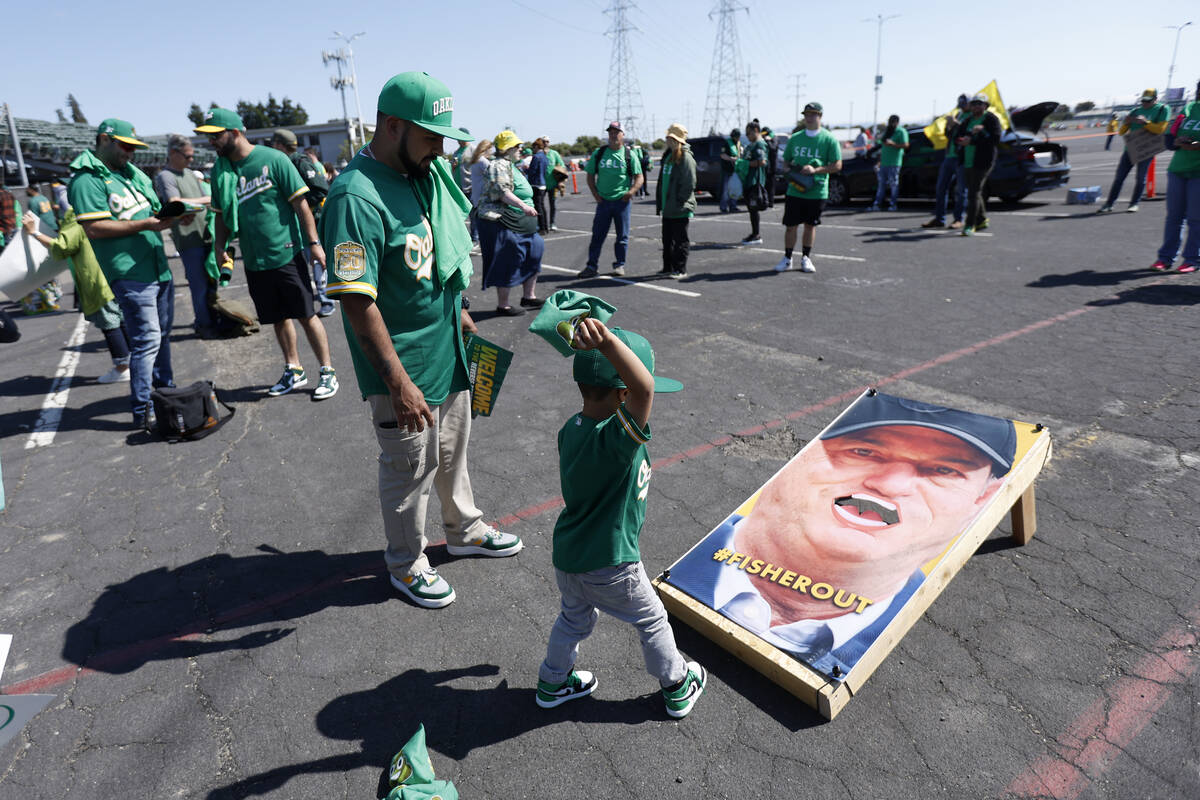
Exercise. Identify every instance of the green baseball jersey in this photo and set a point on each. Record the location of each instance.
(136, 257)
(380, 244)
(893, 156)
(604, 468)
(553, 159)
(40, 205)
(459, 156)
(614, 177)
(1186, 163)
(818, 151)
(267, 183)
(756, 151)
(1156, 113)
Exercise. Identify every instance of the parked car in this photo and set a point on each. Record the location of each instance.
(707, 152)
(1024, 164)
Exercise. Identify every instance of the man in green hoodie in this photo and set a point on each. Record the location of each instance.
(115, 203)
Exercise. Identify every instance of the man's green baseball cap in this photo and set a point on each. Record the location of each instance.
(814, 106)
(122, 131)
(593, 368)
(220, 119)
(423, 100)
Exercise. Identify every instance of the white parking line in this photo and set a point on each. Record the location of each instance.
(626, 281)
(52, 407)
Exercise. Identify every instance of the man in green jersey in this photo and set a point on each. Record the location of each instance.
(258, 193)
(1148, 115)
(811, 156)
(39, 204)
(613, 175)
(115, 202)
(285, 142)
(401, 258)
(553, 159)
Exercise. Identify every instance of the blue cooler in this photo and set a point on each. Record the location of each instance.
(1083, 196)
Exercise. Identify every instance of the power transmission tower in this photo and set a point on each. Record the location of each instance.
(723, 108)
(624, 101)
(797, 77)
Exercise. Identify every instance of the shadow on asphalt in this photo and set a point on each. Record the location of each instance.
(1090, 277)
(1157, 295)
(88, 417)
(457, 721)
(161, 614)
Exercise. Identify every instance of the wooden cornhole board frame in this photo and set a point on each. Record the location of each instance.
(826, 696)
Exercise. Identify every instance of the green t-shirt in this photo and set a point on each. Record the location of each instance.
(818, 151)
(136, 257)
(951, 145)
(1186, 163)
(267, 183)
(459, 156)
(40, 205)
(613, 177)
(756, 151)
(379, 242)
(553, 159)
(894, 156)
(1156, 113)
(604, 468)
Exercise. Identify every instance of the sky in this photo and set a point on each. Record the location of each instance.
(544, 67)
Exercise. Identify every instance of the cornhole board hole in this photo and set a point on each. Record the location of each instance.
(819, 574)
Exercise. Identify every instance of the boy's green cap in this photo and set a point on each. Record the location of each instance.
(591, 367)
(122, 131)
(421, 99)
(220, 119)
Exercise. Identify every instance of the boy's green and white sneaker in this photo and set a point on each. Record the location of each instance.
(581, 683)
(292, 378)
(426, 589)
(328, 385)
(496, 544)
(681, 697)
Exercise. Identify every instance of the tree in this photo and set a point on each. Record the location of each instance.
(76, 111)
(1086, 105)
(196, 114)
(658, 144)
(61, 116)
(272, 114)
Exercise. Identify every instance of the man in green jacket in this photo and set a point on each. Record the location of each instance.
(115, 202)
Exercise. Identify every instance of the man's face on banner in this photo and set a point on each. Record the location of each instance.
(893, 495)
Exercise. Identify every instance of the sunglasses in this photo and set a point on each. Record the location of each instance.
(212, 137)
(128, 148)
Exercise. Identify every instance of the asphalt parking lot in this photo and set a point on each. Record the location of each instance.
(214, 618)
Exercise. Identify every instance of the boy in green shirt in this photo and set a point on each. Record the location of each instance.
(605, 472)
(811, 156)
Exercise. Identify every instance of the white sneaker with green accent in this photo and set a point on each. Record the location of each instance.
(293, 378)
(426, 589)
(327, 386)
(495, 544)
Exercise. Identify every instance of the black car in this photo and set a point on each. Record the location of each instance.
(1024, 164)
(707, 152)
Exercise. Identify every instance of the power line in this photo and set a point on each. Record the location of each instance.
(724, 102)
(624, 100)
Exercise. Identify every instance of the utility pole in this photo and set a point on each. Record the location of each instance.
(16, 143)
(878, 57)
(339, 57)
(724, 102)
(687, 115)
(750, 76)
(798, 76)
(1171, 72)
(624, 100)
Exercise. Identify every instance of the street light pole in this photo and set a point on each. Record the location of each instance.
(362, 134)
(878, 59)
(1171, 72)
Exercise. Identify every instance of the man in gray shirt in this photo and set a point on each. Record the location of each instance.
(177, 181)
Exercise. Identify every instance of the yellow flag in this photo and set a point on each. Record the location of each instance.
(996, 105)
(936, 130)
(936, 133)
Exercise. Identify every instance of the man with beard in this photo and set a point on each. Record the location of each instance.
(833, 547)
(401, 260)
(115, 203)
(259, 196)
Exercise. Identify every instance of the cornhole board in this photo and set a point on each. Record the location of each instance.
(821, 689)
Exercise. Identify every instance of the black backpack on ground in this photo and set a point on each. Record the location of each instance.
(189, 412)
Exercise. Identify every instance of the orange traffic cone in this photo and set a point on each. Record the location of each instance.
(1150, 181)
(574, 185)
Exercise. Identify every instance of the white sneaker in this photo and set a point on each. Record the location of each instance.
(427, 589)
(1133, 208)
(495, 544)
(114, 375)
(806, 264)
(784, 264)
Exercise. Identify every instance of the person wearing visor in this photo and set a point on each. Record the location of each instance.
(258, 197)
(1151, 116)
(401, 258)
(115, 202)
(885, 489)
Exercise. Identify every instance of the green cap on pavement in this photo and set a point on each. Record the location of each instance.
(591, 366)
(421, 99)
(220, 119)
(122, 131)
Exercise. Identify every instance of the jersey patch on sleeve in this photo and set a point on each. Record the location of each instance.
(349, 261)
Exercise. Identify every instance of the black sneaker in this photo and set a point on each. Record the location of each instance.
(581, 683)
(588, 272)
(752, 239)
(682, 697)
